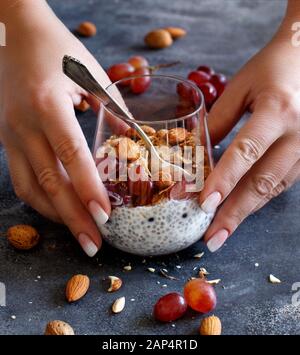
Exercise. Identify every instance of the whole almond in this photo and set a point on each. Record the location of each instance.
(132, 133)
(23, 237)
(127, 149)
(87, 29)
(148, 130)
(158, 39)
(115, 283)
(211, 326)
(58, 327)
(177, 135)
(83, 106)
(118, 305)
(176, 32)
(77, 287)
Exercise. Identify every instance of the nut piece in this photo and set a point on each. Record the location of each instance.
(127, 149)
(23, 237)
(211, 326)
(83, 106)
(213, 282)
(164, 181)
(127, 268)
(162, 133)
(77, 287)
(148, 130)
(274, 280)
(115, 283)
(132, 133)
(58, 327)
(177, 135)
(199, 255)
(176, 32)
(87, 29)
(158, 39)
(118, 305)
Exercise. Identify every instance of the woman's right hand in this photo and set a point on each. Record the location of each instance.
(50, 163)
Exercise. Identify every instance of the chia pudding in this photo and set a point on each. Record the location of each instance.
(152, 214)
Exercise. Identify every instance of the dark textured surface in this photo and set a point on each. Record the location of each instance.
(221, 33)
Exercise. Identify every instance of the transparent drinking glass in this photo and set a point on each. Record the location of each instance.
(155, 208)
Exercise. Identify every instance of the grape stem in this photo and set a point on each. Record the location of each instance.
(154, 68)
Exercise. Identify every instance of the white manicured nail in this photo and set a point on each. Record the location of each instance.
(217, 240)
(212, 202)
(98, 213)
(87, 244)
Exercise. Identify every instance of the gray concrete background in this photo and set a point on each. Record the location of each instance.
(224, 34)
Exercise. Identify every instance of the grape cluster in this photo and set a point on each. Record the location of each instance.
(210, 83)
(136, 66)
(198, 295)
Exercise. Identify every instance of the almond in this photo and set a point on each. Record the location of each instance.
(118, 305)
(77, 287)
(83, 106)
(211, 326)
(176, 32)
(115, 283)
(162, 133)
(177, 135)
(87, 29)
(127, 149)
(132, 133)
(158, 39)
(23, 237)
(148, 130)
(164, 181)
(58, 327)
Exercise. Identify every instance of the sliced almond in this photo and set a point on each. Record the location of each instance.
(151, 269)
(274, 280)
(115, 283)
(199, 255)
(118, 305)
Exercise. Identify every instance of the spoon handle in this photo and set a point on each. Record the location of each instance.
(79, 73)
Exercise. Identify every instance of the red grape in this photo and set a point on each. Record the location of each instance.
(200, 295)
(120, 71)
(198, 77)
(138, 62)
(188, 93)
(170, 307)
(209, 93)
(219, 81)
(140, 85)
(206, 69)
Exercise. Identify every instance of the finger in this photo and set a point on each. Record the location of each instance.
(255, 186)
(228, 109)
(250, 144)
(292, 177)
(69, 145)
(26, 186)
(54, 181)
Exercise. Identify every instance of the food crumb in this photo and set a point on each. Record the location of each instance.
(173, 325)
(256, 264)
(132, 299)
(178, 266)
(13, 317)
(164, 285)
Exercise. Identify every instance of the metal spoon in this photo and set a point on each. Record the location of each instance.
(79, 73)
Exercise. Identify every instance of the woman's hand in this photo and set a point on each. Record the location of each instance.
(50, 163)
(264, 158)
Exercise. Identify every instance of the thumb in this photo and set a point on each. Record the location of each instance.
(228, 109)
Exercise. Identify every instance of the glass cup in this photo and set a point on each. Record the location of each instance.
(155, 208)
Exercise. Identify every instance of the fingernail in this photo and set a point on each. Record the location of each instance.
(87, 244)
(98, 213)
(212, 202)
(217, 240)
